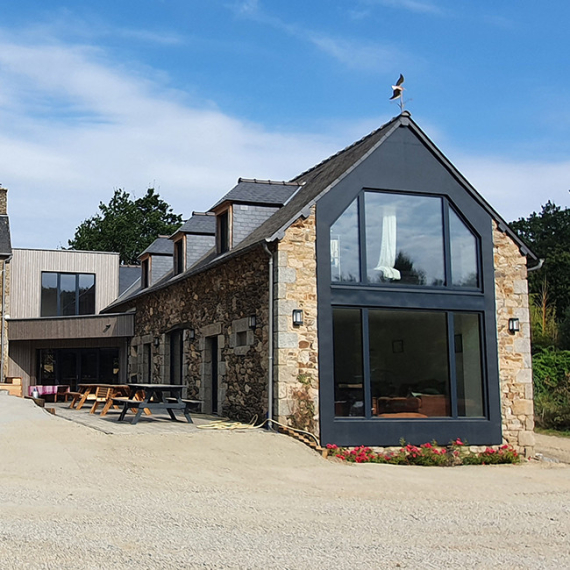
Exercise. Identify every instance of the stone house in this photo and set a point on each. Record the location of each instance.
(374, 297)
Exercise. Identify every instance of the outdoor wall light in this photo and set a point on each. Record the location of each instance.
(514, 326)
(191, 334)
(156, 342)
(251, 321)
(297, 317)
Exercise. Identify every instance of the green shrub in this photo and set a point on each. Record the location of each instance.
(552, 388)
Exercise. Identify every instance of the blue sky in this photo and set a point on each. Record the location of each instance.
(187, 96)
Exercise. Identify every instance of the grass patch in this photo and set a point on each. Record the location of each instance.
(555, 432)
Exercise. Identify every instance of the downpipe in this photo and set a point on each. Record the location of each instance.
(270, 342)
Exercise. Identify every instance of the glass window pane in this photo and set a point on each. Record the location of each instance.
(109, 365)
(67, 296)
(463, 253)
(348, 371)
(468, 365)
(86, 294)
(89, 371)
(409, 370)
(47, 367)
(404, 239)
(49, 295)
(345, 251)
(176, 354)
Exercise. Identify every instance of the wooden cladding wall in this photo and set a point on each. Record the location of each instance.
(104, 326)
(26, 276)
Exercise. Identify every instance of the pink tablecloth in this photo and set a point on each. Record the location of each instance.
(49, 390)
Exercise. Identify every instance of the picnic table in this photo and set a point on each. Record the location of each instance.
(154, 400)
(97, 393)
(55, 391)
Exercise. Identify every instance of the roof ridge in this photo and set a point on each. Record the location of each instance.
(349, 147)
(276, 182)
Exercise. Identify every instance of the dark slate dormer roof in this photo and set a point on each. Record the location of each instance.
(201, 223)
(160, 246)
(5, 241)
(128, 276)
(266, 192)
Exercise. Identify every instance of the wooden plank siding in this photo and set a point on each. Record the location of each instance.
(26, 276)
(91, 327)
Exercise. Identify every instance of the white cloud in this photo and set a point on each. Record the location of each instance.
(359, 55)
(410, 5)
(75, 127)
(516, 189)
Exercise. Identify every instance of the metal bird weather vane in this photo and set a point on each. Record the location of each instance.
(398, 92)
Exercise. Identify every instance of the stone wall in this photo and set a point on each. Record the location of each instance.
(515, 362)
(296, 352)
(215, 304)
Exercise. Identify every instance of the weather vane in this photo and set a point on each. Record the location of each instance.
(398, 93)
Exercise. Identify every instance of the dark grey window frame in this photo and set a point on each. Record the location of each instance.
(77, 294)
(370, 430)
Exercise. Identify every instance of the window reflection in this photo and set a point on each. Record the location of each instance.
(468, 365)
(348, 371)
(463, 253)
(404, 239)
(409, 370)
(345, 252)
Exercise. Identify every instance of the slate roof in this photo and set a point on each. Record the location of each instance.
(128, 275)
(199, 223)
(5, 240)
(160, 246)
(267, 192)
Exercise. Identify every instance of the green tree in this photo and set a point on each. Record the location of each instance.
(126, 225)
(548, 235)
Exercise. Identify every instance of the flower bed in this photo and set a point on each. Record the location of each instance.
(427, 454)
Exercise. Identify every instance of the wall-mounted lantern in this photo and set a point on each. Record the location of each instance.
(514, 326)
(156, 342)
(297, 317)
(191, 334)
(251, 321)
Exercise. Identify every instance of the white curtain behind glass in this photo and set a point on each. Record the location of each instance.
(387, 257)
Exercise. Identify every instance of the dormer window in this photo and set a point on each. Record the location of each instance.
(145, 273)
(179, 256)
(223, 231)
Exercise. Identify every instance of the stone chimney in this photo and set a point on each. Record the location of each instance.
(3, 201)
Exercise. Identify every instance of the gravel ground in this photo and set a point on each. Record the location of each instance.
(75, 498)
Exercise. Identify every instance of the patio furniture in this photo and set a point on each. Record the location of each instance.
(119, 394)
(87, 392)
(56, 390)
(154, 400)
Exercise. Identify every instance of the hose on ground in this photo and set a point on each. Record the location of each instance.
(226, 425)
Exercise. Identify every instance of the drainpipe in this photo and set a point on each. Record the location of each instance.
(6, 261)
(270, 355)
(537, 266)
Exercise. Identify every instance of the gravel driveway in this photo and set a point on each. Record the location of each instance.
(75, 498)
